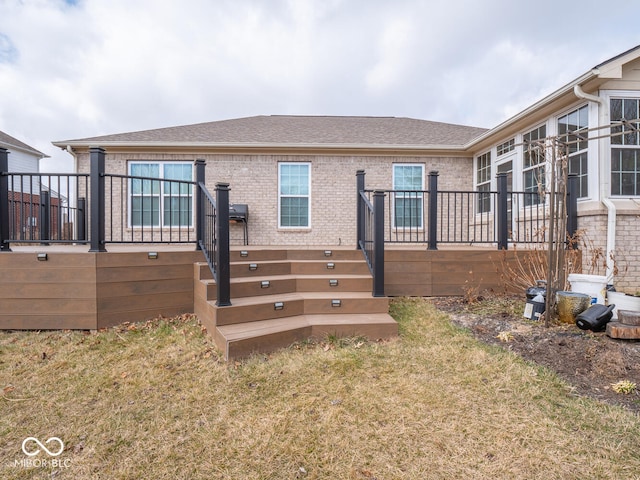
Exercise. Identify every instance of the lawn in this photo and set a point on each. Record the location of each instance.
(155, 401)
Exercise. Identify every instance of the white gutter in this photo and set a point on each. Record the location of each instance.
(604, 185)
(69, 150)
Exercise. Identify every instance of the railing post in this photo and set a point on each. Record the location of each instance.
(200, 179)
(4, 200)
(359, 211)
(503, 228)
(223, 259)
(378, 243)
(45, 217)
(572, 209)
(82, 218)
(97, 200)
(432, 221)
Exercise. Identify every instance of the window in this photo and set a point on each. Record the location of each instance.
(572, 130)
(625, 147)
(483, 181)
(533, 165)
(294, 189)
(506, 147)
(164, 201)
(408, 182)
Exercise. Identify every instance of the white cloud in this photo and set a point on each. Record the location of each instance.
(91, 67)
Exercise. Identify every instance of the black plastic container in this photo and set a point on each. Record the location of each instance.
(595, 318)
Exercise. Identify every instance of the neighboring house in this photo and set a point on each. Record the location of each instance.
(24, 191)
(297, 173)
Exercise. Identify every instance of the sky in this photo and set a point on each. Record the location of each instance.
(80, 68)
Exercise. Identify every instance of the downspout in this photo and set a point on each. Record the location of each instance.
(611, 208)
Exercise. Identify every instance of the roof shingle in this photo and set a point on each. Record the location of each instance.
(303, 130)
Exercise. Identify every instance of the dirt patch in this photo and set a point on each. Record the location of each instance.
(590, 362)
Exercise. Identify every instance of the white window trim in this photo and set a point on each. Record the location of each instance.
(590, 147)
(161, 194)
(609, 95)
(421, 197)
(488, 182)
(297, 227)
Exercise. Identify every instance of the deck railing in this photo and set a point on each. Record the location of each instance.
(214, 237)
(38, 209)
(432, 217)
(371, 233)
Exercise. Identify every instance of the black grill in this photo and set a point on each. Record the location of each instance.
(239, 213)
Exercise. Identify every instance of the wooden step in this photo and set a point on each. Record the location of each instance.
(280, 296)
(277, 284)
(251, 309)
(260, 254)
(336, 267)
(244, 339)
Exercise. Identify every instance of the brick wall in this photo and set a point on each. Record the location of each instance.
(253, 180)
(626, 254)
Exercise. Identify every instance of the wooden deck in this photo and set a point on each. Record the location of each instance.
(76, 289)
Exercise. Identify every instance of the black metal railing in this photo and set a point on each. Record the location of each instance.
(434, 217)
(148, 210)
(44, 208)
(371, 234)
(100, 208)
(214, 238)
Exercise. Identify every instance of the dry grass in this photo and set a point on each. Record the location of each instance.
(154, 401)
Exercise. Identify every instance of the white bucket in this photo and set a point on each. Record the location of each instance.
(593, 285)
(623, 302)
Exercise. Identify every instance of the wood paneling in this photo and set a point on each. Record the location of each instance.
(58, 293)
(93, 290)
(132, 287)
(443, 272)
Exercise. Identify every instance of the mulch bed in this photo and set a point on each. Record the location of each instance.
(590, 362)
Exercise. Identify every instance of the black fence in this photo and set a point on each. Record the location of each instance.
(432, 217)
(44, 208)
(371, 233)
(101, 208)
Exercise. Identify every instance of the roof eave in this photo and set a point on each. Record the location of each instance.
(536, 107)
(291, 148)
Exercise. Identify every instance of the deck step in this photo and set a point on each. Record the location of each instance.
(244, 339)
(250, 309)
(279, 284)
(281, 296)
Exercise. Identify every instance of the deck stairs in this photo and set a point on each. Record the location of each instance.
(281, 296)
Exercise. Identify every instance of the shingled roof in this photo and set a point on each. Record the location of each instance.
(290, 130)
(9, 142)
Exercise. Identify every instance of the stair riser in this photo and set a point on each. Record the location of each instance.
(372, 332)
(347, 306)
(353, 255)
(242, 270)
(271, 255)
(264, 311)
(289, 285)
(324, 268)
(265, 343)
(251, 313)
(344, 284)
(255, 288)
(257, 255)
(202, 271)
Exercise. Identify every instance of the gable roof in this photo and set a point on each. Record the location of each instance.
(9, 142)
(297, 131)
